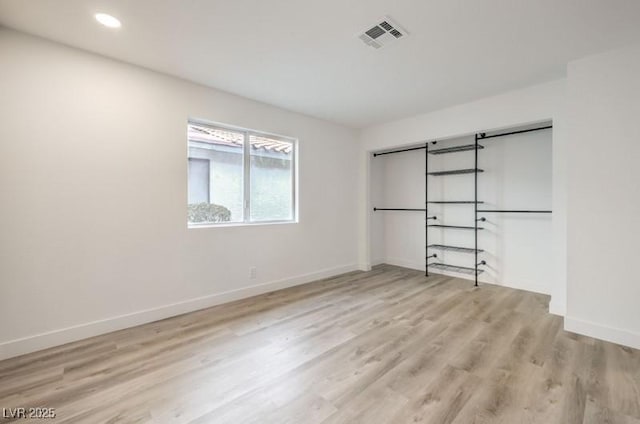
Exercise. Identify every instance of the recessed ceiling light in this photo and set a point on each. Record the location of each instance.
(108, 20)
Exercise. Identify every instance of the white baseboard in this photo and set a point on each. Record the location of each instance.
(557, 308)
(533, 288)
(403, 263)
(481, 278)
(59, 337)
(364, 267)
(377, 262)
(591, 329)
(420, 267)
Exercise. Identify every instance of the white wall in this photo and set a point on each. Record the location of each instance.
(604, 196)
(520, 107)
(517, 175)
(93, 177)
(378, 182)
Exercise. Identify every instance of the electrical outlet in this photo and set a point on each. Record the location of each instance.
(253, 272)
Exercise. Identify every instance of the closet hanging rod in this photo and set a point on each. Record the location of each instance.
(455, 202)
(480, 138)
(511, 211)
(513, 132)
(399, 151)
(397, 209)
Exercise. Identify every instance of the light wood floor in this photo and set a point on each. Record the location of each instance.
(386, 346)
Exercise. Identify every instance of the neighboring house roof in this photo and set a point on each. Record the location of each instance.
(234, 139)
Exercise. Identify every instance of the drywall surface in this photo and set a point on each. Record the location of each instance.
(530, 105)
(517, 175)
(604, 196)
(93, 177)
(378, 183)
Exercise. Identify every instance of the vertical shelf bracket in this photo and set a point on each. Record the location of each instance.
(475, 208)
(426, 208)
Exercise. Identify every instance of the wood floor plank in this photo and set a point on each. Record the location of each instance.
(442, 400)
(596, 414)
(385, 346)
(376, 404)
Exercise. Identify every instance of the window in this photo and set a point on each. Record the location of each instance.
(239, 176)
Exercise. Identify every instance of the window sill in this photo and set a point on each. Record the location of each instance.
(238, 224)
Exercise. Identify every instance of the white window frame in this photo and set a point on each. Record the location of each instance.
(246, 162)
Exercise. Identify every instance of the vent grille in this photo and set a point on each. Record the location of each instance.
(375, 32)
(382, 33)
(386, 25)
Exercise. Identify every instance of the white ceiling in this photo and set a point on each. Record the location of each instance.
(304, 55)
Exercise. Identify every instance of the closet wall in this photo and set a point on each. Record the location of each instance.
(517, 175)
(604, 196)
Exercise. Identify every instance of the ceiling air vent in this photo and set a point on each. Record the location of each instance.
(381, 34)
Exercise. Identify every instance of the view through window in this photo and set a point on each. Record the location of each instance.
(238, 176)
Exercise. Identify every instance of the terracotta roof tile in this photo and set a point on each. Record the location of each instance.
(235, 139)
